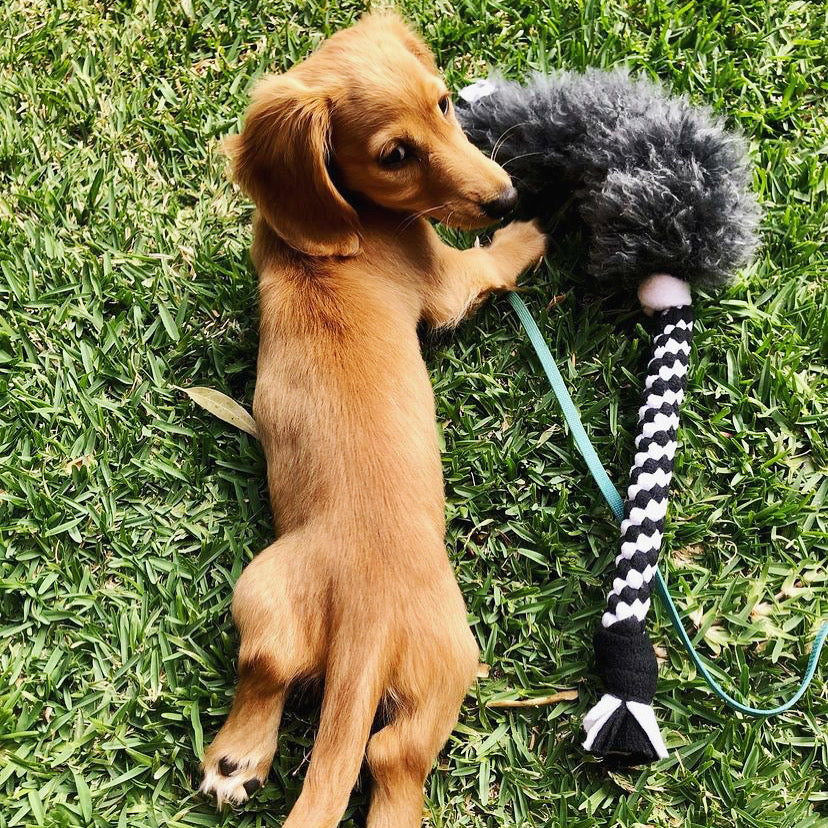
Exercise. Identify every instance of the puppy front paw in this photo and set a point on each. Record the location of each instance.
(516, 247)
(522, 240)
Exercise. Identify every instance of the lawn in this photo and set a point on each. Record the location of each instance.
(127, 513)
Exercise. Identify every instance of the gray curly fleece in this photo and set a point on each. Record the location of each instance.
(661, 185)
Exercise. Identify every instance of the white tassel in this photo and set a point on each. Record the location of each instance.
(597, 717)
(645, 716)
(661, 291)
(601, 713)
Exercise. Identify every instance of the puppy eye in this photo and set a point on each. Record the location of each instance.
(445, 104)
(395, 156)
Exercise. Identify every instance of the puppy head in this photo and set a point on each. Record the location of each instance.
(366, 114)
(397, 141)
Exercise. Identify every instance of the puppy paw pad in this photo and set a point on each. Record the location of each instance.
(252, 785)
(227, 766)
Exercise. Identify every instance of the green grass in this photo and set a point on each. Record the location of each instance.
(126, 513)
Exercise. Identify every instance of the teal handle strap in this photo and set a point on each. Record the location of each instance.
(616, 503)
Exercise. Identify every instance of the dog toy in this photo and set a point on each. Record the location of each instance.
(663, 190)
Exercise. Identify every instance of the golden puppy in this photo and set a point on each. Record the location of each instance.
(345, 155)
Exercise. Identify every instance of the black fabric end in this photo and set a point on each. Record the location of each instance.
(626, 661)
(622, 742)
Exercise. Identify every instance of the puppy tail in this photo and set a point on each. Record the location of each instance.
(353, 688)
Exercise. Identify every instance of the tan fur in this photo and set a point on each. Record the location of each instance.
(358, 589)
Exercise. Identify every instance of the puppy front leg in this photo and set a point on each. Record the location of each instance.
(467, 277)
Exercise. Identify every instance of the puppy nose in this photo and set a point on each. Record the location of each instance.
(503, 204)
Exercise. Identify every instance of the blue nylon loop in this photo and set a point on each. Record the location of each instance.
(616, 503)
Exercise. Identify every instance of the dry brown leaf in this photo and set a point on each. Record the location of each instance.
(78, 463)
(483, 670)
(223, 407)
(536, 701)
(687, 554)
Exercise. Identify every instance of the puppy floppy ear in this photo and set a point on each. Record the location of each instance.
(280, 161)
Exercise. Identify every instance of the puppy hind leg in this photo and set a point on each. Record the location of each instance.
(352, 693)
(401, 755)
(275, 650)
(238, 761)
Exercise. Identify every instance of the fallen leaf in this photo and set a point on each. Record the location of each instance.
(536, 701)
(625, 784)
(483, 670)
(223, 407)
(687, 555)
(810, 576)
(79, 462)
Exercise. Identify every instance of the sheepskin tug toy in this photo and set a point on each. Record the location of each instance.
(663, 190)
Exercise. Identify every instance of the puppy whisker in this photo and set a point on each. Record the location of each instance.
(518, 157)
(409, 220)
(502, 137)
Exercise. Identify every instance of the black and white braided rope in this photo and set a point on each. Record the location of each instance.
(623, 721)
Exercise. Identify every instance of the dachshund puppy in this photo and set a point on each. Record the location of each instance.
(346, 156)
